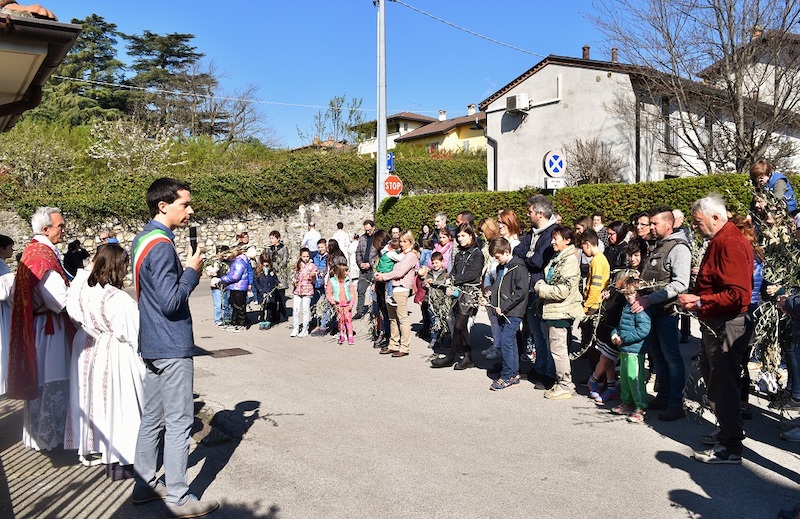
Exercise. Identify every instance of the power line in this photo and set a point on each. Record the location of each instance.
(473, 33)
(224, 98)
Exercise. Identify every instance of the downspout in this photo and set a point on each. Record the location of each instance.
(638, 141)
(493, 144)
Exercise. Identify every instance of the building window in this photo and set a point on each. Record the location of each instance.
(405, 126)
(465, 146)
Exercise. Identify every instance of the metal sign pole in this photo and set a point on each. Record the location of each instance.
(380, 159)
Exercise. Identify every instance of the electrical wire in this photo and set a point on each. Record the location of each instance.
(464, 29)
(296, 105)
(224, 98)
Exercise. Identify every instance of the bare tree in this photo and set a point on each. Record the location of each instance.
(592, 161)
(339, 122)
(725, 73)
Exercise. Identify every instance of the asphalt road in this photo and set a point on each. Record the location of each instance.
(319, 429)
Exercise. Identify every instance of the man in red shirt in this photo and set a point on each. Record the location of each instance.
(721, 296)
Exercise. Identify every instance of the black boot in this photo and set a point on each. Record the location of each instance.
(443, 362)
(465, 362)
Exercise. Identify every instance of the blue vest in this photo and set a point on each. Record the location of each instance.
(335, 289)
(788, 195)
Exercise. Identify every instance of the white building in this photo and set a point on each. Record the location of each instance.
(397, 125)
(561, 99)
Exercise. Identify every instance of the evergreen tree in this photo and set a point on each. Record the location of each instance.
(91, 62)
(162, 64)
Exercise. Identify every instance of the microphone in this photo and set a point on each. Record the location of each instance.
(193, 239)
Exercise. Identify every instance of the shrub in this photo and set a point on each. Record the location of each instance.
(616, 201)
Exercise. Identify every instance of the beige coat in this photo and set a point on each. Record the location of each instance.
(561, 297)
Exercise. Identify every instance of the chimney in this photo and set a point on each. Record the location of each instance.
(758, 31)
(585, 52)
(315, 142)
(614, 55)
(442, 115)
(471, 109)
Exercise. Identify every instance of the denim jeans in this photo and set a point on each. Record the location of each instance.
(508, 346)
(793, 368)
(169, 406)
(227, 309)
(497, 330)
(322, 320)
(216, 297)
(664, 346)
(544, 364)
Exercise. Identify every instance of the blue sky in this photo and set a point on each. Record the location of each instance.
(306, 52)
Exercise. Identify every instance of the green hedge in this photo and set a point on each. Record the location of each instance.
(230, 180)
(616, 201)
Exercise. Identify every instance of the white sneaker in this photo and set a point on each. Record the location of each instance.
(304, 333)
(293, 334)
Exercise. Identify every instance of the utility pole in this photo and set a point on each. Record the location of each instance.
(380, 161)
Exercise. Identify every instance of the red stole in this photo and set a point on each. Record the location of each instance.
(37, 260)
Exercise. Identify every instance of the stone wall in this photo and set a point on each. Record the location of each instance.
(212, 233)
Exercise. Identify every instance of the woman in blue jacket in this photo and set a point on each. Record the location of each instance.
(236, 282)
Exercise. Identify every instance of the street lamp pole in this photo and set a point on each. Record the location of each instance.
(380, 161)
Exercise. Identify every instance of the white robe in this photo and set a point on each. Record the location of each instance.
(106, 372)
(43, 417)
(6, 297)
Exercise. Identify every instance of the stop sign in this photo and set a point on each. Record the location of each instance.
(393, 185)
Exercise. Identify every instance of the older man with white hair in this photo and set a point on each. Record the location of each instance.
(39, 344)
(721, 298)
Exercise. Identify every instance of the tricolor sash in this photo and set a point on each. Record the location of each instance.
(143, 247)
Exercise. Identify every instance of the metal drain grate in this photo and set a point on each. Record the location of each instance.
(229, 352)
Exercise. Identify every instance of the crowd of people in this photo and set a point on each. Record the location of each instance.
(96, 379)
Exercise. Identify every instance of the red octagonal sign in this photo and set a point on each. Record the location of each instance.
(393, 185)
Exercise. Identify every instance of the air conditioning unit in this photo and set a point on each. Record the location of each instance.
(517, 103)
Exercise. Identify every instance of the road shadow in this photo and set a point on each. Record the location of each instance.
(729, 488)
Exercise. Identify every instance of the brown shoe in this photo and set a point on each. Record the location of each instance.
(399, 353)
(386, 351)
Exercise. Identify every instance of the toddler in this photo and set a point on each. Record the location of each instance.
(390, 255)
(629, 336)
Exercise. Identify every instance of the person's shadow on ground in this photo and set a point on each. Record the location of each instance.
(221, 436)
(731, 491)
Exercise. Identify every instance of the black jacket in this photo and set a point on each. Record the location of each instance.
(510, 288)
(467, 266)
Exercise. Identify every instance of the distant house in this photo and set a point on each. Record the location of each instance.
(397, 125)
(328, 145)
(30, 50)
(459, 134)
(560, 99)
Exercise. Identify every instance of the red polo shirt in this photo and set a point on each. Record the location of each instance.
(725, 280)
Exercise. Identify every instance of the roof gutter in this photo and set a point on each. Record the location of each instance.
(59, 38)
